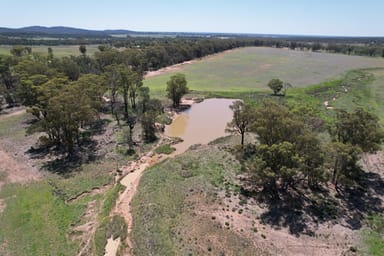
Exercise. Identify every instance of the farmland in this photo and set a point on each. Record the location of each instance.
(191, 203)
(250, 69)
(203, 177)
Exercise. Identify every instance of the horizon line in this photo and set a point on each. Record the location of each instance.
(198, 32)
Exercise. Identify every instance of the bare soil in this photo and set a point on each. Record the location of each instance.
(15, 164)
(133, 173)
(11, 112)
(112, 246)
(85, 231)
(328, 238)
(274, 232)
(16, 171)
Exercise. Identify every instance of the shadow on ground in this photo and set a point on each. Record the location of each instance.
(302, 210)
(57, 160)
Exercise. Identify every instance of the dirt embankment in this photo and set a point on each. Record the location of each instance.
(131, 175)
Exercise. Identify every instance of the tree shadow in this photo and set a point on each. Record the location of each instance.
(63, 166)
(98, 127)
(289, 210)
(57, 160)
(302, 210)
(363, 198)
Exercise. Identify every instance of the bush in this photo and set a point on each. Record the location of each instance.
(165, 149)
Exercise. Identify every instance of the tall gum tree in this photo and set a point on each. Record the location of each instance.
(177, 88)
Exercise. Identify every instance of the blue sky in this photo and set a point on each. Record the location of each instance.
(319, 17)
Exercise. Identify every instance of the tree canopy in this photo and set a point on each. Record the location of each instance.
(176, 88)
(276, 85)
(243, 117)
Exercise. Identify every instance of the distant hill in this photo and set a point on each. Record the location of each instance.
(61, 31)
(69, 32)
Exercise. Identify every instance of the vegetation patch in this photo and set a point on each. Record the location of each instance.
(85, 179)
(110, 227)
(373, 241)
(36, 222)
(110, 200)
(165, 149)
(163, 196)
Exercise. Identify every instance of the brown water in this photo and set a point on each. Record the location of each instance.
(202, 123)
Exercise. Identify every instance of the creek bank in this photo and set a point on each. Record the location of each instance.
(214, 115)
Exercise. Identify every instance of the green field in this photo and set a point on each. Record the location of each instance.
(251, 68)
(58, 51)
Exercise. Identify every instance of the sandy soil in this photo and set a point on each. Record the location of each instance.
(85, 231)
(133, 173)
(112, 246)
(329, 239)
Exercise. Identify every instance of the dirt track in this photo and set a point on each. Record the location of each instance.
(131, 178)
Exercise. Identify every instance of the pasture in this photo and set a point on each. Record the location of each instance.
(251, 68)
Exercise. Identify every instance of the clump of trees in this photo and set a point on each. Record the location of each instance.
(276, 85)
(67, 95)
(288, 152)
(176, 88)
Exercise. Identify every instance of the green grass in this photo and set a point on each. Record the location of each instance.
(115, 227)
(36, 222)
(110, 200)
(58, 51)
(250, 69)
(165, 149)
(356, 89)
(373, 237)
(85, 178)
(13, 127)
(368, 95)
(160, 206)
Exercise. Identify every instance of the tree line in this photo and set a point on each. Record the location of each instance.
(289, 152)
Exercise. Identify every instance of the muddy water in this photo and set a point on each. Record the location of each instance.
(202, 123)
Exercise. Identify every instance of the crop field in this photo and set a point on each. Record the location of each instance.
(58, 51)
(251, 68)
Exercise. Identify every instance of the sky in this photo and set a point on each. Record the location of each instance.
(297, 17)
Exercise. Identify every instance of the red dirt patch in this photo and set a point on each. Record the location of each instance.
(16, 171)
